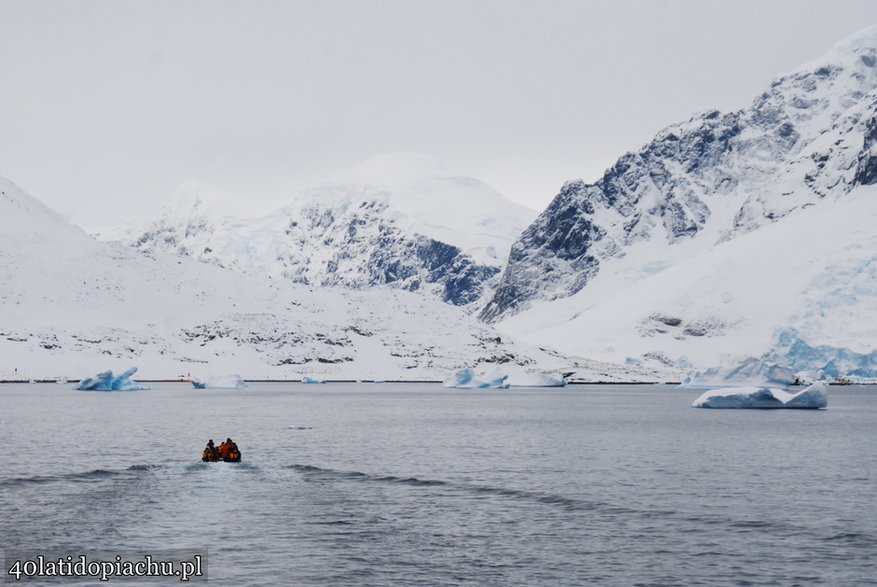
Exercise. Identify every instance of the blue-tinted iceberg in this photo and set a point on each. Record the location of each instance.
(311, 380)
(231, 381)
(750, 373)
(106, 381)
(826, 362)
(466, 379)
(813, 397)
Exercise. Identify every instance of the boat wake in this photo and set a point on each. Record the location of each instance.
(78, 477)
(317, 473)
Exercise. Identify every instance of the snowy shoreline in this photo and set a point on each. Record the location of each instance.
(405, 381)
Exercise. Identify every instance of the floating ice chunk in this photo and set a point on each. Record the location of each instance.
(231, 381)
(101, 381)
(813, 397)
(311, 380)
(466, 379)
(106, 381)
(751, 372)
(497, 381)
(536, 380)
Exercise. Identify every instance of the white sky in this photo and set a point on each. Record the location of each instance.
(107, 106)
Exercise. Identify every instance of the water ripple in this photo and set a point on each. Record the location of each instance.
(690, 523)
(85, 476)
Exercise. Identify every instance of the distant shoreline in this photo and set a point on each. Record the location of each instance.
(343, 381)
(381, 381)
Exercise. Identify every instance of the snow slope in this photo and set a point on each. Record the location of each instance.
(401, 220)
(728, 236)
(71, 306)
(816, 271)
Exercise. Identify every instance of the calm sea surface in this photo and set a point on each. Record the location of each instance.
(405, 484)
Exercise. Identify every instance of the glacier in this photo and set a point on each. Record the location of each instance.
(812, 397)
(106, 381)
(824, 361)
(750, 373)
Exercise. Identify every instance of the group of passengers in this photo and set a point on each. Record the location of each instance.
(227, 451)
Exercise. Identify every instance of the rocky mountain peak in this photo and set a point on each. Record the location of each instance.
(707, 180)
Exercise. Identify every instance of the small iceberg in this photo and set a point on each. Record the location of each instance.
(466, 379)
(536, 380)
(311, 380)
(813, 398)
(231, 381)
(106, 381)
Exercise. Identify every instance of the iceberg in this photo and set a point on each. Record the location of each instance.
(536, 380)
(466, 379)
(311, 380)
(751, 373)
(106, 381)
(812, 397)
(231, 381)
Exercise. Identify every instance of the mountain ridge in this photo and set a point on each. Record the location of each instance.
(807, 141)
(669, 183)
(400, 220)
(73, 306)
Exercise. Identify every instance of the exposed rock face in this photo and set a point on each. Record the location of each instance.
(430, 232)
(811, 135)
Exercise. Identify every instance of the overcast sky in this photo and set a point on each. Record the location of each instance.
(106, 107)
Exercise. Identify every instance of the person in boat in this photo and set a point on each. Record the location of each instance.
(233, 454)
(210, 453)
(224, 448)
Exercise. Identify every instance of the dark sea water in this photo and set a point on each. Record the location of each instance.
(405, 484)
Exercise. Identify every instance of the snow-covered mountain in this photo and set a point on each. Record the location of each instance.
(401, 220)
(74, 306)
(728, 235)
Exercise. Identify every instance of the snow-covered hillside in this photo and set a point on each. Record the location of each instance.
(72, 306)
(728, 235)
(400, 220)
(809, 280)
